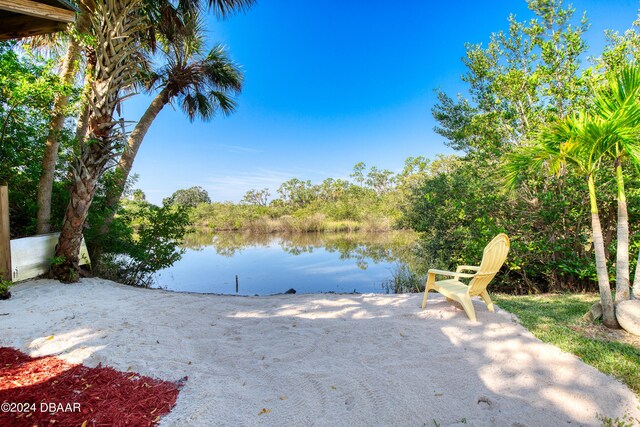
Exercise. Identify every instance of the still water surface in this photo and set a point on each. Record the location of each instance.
(271, 263)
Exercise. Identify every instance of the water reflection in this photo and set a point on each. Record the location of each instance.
(378, 247)
(306, 262)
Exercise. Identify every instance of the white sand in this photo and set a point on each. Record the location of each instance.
(324, 360)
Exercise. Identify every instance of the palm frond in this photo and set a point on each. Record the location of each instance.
(224, 102)
(221, 71)
(617, 105)
(225, 8)
(189, 106)
(206, 109)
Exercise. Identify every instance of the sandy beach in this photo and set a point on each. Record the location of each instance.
(316, 359)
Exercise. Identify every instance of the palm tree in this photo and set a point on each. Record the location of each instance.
(111, 49)
(573, 140)
(611, 128)
(617, 104)
(201, 85)
(119, 32)
(222, 8)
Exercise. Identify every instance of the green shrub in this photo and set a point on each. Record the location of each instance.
(144, 239)
(5, 285)
(404, 280)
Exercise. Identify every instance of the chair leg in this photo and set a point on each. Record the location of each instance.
(485, 297)
(424, 300)
(431, 280)
(468, 308)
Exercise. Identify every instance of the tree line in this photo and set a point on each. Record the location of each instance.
(371, 199)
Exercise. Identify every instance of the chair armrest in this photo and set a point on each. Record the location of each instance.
(449, 273)
(467, 267)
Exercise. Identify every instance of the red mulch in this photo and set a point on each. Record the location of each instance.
(50, 392)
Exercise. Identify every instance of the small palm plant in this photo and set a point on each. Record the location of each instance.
(571, 141)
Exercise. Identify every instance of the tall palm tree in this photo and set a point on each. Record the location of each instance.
(119, 31)
(574, 140)
(111, 50)
(201, 84)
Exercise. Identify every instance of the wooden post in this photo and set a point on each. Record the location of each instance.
(5, 235)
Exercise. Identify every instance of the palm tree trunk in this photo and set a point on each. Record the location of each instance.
(608, 309)
(635, 290)
(131, 150)
(68, 72)
(622, 261)
(636, 280)
(123, 170)
(83, 119)
(86, 172)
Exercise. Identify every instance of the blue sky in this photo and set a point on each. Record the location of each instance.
(329, 84)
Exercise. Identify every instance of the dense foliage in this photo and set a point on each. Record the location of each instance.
(144, 239)
(28, 85)
(191, 197)
(521, 81)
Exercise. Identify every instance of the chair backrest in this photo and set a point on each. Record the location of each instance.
(495, 253)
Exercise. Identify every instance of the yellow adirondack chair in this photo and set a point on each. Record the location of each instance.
(495, 253)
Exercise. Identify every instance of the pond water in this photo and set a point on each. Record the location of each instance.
(268, 264)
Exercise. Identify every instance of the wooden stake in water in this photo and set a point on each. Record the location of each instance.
(236, 283)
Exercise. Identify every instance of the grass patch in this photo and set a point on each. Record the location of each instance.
(557, 319)
(403, 280)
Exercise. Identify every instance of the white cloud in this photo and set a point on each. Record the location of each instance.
(239, 149)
